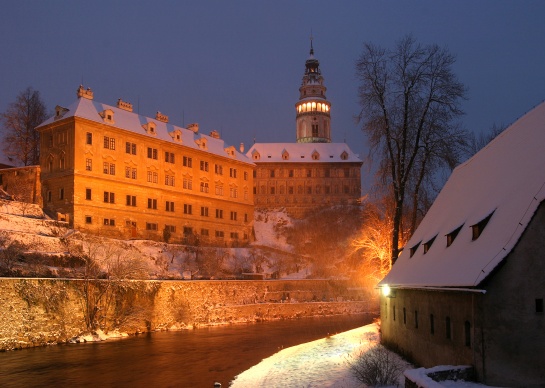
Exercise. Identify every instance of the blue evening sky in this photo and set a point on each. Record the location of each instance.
(236, 66)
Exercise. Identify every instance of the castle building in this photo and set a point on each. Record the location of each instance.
(313, 172)
(110, 171)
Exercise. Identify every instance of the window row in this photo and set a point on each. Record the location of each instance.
(307, 173)
(476, 231)
(152, 203)
(169, 157)
(300, 189)
(154, 226)
(447, 325)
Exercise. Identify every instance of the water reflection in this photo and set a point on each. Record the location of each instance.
(193, 358)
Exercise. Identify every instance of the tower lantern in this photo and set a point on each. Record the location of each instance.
(313, 109)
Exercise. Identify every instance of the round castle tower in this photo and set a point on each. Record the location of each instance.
(313, 109)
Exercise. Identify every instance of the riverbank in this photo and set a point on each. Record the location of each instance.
(37, 312)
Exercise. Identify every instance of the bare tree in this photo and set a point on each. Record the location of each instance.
(410, 100)
(21, 140)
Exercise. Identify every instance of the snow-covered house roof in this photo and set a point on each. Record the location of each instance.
(302, 153)
(503, 184)
(146, 126)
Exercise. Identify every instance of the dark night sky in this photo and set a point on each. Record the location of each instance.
(236, 66)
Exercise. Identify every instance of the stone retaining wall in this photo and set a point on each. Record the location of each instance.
(35, 312)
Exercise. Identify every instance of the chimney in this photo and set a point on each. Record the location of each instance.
(161, 117)
(85, 93)
(241, 148)
(124, 105)
(194, 127)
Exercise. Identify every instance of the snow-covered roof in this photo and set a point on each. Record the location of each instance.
(133, 122)
(505, 179)
(302, 153)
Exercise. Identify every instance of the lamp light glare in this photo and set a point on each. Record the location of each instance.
(386, 290)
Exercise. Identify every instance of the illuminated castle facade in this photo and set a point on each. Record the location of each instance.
(313, 172)
(110, 171)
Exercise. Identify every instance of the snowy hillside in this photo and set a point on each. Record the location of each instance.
(39, 243)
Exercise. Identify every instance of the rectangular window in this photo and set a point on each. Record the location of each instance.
(130, 148)
(88, 219)
(219, 213)
(109, 222)
(204, 187)
(346, 172)
(219, 190)
(61, 193)
(394, 311)
(89, 138)
(539, 305)
(169, 206)
(246, 193)
(272, 173)
(187, 161)
(152, 153)
(152, 203)
(88, 194)
(204, 211)
(432, 324)
(188, 209)
(327, 173)
(88, 164)
(234, 235)
(404, 315)
(219, 234)
(448, 328)
(233, 193)
(151, 226)
(467, 333)
(245, 217)
(131, 200)
(169, 157)
(108, 168)
(169, 180)
(218, 169)
(233, 172)
(109, 143)
(205, 232)
(204, 165)
(188, 184)
(245, 175)
(415, 319)
(109, 197)
(290, 173)
(290, 190)
(233, 216)
(153, 177)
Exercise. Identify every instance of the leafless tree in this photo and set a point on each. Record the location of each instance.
(19, 121)
(480, 140)
(410, 101)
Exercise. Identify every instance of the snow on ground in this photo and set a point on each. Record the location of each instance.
(321, 363)
(324, 363)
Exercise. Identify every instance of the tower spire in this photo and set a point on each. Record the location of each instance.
(312, 109)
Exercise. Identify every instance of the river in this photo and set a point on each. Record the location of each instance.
(191, 358)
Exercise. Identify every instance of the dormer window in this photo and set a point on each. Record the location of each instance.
(230, 151)
(344, 155)
(414, 248)
(150, 128)
(60, 112)
(285, 155)
(427, 245)
(315, 155)
(255, 155)
(452, 235)
(176, 135)
(201, 143)
(108, 116)
(478, 228)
